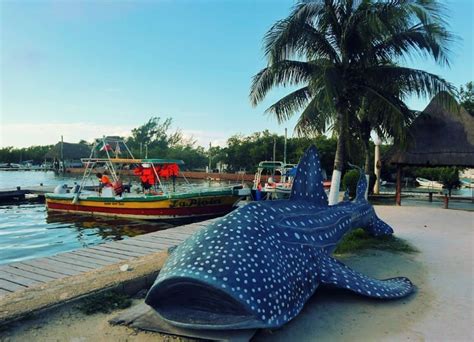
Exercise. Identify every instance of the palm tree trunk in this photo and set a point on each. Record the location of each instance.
(339, 161)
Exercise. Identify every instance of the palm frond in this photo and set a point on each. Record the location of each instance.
(419, 82)
(297, 36)
(284, 73)
(284, 108)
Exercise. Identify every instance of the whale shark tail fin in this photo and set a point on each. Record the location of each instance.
(308, 182)
(361, 185)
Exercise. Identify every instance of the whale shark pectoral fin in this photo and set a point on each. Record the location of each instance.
(308, 182)
(377, 227)
(337, 274)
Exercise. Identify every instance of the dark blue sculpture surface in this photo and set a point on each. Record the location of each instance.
(257, 266)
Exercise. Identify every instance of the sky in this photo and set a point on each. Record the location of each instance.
(84, 69)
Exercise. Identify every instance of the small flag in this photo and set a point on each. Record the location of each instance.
(106, 147)
(117, 149)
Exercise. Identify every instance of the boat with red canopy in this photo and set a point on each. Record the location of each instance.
(159, 195)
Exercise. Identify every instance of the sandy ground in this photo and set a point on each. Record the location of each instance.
(440, 310)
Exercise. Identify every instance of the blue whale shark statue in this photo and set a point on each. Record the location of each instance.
(257, 266)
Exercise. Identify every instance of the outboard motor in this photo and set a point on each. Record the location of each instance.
(60, 189)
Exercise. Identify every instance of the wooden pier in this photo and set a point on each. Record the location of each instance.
(128, 265)
(19, 193)
(18, 276)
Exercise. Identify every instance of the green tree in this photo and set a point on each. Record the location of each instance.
(154, 136)
(466, 97)
(340, 51)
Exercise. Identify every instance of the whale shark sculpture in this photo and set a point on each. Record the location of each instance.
(257, 266)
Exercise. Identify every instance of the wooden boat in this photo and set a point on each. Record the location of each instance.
(205, 202)
(429, 183)
(161, 201)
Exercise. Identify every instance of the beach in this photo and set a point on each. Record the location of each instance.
(440, 309)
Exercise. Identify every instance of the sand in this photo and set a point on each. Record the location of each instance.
(440, 310)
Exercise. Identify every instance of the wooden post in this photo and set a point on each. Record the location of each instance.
(430, 197)
(446, 201)
(398, 194)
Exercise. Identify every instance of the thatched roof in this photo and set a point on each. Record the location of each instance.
(70, 151)
(439, 137)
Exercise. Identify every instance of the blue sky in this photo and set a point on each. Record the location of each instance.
(83, 69)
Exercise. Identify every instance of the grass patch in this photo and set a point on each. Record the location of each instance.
(358, 240)
(104, 302)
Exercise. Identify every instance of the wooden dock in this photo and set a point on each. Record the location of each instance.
(19, 193)
(19, 276)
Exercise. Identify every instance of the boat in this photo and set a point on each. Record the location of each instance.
(162, 200)
(429, 183)
(273, 180)
(466, 183)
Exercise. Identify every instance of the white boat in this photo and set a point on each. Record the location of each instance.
(278, 182)
(466, 183)
(429, 183)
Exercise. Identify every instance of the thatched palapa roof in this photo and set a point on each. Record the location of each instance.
(439, 137)
(70, 151)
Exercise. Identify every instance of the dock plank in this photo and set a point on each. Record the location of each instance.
(18, 279)
(4, 292)
(165, 239)
(133, 247)
(66, 263)
(9, 286)
(13, 270)
(96, 255)
(40, 271)
(78, 261)
(51, 265)
(90, 259)
(176, 235)
(161, 242)
(153, 247)
(122, 250)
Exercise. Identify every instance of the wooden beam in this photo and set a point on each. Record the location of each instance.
(398, 194)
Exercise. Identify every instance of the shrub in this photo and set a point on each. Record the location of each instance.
(449, 176)
(349, 181)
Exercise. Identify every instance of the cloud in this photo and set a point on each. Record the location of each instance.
(30, 134)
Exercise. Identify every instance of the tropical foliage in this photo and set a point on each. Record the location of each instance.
(245, 152)
(466, 97)
(16, 155)
(342, 53)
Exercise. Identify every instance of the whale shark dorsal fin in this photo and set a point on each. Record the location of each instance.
(308, 182)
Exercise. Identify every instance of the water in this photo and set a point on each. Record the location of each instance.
(28, 230)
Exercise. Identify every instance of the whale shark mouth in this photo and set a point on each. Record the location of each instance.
(189, 303)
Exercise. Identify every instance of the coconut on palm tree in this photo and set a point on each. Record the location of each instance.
(340, 52)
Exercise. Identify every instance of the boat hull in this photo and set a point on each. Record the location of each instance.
(147, 208)
(426, 183)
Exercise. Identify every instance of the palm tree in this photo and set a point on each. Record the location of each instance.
(340, 52)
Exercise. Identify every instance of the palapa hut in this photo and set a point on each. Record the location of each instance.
(70, 152)
(438, 137)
